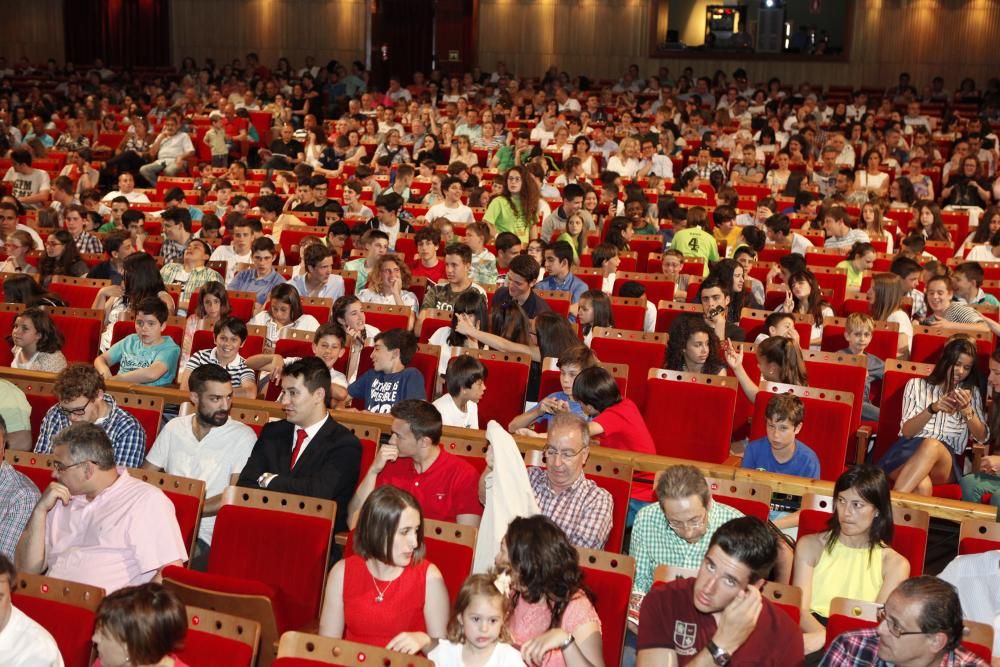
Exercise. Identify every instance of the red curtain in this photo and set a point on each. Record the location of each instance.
(127, 33)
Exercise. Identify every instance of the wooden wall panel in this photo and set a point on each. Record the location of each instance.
(591, 36)
(953, 38)
(227, 29)
(33, 29)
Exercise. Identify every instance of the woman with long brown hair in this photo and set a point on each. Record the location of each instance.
(516, 209)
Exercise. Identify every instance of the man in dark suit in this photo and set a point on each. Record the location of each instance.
(308, 453)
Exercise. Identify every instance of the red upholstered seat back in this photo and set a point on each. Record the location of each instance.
(838, 624)
(884, 343)
(385, 321)
(829, 374)
(71, 626)
(621, 491)
(39, 475)
(897, 374)
(75, 296)
(453, 559)
(188, 511)
(283, 550)
(976, 545)
(83, 336)
(427, 364)
(611, 592)
(638, 355)
(676, 413)
(205, 648)
(506, 386)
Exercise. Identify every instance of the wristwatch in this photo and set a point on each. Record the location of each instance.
(931, 410)
(719, 655)
(565, 644)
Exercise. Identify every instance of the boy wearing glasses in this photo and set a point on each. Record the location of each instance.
(79, 390)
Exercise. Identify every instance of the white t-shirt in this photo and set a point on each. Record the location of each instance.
(461, 214)
(133, 197)
(982, 253)
(225, 253)
(452, 416)
(449, 654)
(25, 643)
(26, 185)
(219, 454)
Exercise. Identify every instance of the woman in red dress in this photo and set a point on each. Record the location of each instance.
(386, 594)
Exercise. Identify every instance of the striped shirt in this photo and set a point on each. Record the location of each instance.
(238, 370)
(952, 429)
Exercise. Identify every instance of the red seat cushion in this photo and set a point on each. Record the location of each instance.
(205, 648)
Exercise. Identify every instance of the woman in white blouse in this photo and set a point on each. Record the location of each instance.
(626, 162)
(388, 283)
(872, 178)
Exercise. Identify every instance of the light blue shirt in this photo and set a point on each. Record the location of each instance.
(333, 289)
(131, 354)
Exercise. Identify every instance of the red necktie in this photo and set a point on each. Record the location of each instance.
(300, 436)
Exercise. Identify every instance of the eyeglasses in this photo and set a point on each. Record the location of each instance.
(690, 524)
(53, 244)
(565, 454)
(893, 626)
(60, 468)
(75, 412)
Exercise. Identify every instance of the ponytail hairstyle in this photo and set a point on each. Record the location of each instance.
(784, 352)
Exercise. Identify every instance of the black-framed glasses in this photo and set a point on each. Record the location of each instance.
(893, 626)
(60, 468)
(74, 412)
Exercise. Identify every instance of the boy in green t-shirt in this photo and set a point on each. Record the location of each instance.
(145, 357)
(695, 240)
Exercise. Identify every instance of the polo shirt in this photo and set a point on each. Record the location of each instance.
(669, 619)
(448, 488)
(213, 459)
(120, 538)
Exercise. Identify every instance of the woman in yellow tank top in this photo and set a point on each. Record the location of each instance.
(852, 559)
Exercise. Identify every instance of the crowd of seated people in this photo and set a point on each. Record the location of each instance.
(502, 214)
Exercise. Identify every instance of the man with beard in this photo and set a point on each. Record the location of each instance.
(205, 445)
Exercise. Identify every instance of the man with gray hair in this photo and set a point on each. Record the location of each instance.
(96, 524)
(564, 494)
(18, 496)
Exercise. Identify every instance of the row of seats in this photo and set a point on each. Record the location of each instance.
(259, 534)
